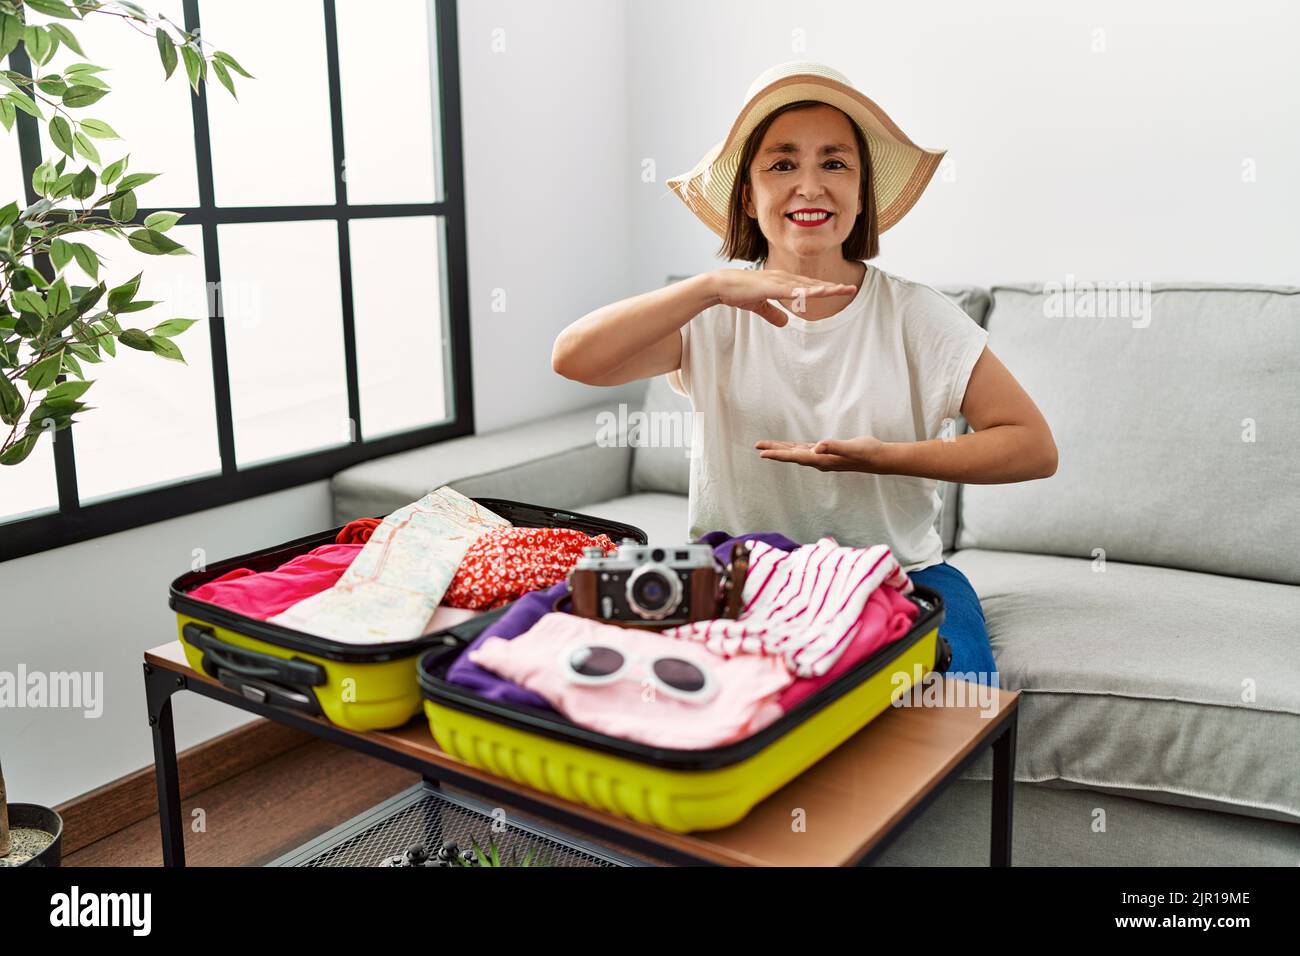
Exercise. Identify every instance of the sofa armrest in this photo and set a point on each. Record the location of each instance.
(561, 461)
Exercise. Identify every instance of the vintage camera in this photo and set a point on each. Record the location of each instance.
(643, 585)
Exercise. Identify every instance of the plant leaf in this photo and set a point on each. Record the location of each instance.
(70, 363)
(42, 177)
(67, 36)
(11, 401)
(173, 327)
(43, 373)
(123, 294)
(66, 392)
(61, 134)
(60, 253)
(231, 62)
(192, 66)
(29, 301)
(19, 450)
(24, 103)
(220, 69)
(152, 242)
(11, 33)
(113, 170)
(166, 348)
(86, 147)
(167, 51)
(162, 220)
(53, 8)
(99, 129)
(87, 258)
(52, 84)
(123, 208)
(39, 45)
(79, 94)
(136, 339)
(136, 179)
(59, 297)
(83, 187)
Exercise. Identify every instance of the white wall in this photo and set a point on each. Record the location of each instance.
(98, 606)
(1122, 164)
(548, 190)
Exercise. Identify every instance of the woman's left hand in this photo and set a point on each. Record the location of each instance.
(829, 454)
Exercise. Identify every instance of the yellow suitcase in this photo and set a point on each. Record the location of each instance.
(357, 686)
(680, 790)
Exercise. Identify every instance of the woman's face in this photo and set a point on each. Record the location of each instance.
(808, 160)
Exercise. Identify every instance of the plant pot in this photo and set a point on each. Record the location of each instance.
(32, 816)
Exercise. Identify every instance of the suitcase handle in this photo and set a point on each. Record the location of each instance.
(243, 662)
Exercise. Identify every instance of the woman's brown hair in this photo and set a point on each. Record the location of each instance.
(744, 240)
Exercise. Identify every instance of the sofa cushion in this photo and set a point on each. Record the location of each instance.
(557, 461)
(1177, 425)
(662, 517)
(661, 445)
(1166, 685)
(975, 302)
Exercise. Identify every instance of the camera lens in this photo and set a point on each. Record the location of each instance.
(651, 591)
(654, 591)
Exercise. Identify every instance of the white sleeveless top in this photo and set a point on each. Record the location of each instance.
(893, 363)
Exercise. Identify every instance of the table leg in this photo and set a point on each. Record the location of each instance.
(1004, 782)
(159, 687)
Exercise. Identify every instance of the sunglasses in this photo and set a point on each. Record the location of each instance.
(597, 664)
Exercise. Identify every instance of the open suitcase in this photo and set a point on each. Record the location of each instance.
(357, 686)
(680, 790)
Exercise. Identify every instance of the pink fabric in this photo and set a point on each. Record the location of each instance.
(802, 605)
(632, 707)
(887, 616)
(265, 594)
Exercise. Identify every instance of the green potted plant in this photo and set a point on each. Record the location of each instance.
(30, 835)
(477, 857)
(451, 855)
(49, 328)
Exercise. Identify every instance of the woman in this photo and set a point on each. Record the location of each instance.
(827, 389)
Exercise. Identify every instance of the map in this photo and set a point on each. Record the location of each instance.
(393, 587)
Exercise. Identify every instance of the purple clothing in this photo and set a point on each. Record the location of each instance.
(529, 609)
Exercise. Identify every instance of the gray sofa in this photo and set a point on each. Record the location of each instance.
(1145, 600)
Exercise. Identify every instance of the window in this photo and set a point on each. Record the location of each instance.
(325, 214)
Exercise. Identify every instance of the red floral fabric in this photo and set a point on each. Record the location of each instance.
(506, 563)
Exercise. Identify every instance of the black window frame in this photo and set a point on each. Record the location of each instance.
(73, 522)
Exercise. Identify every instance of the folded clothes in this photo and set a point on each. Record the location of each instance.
(391, 590)
(887, 616)
(359, 531)
(803, 605)
(639, 685)
(506, 563)
(265, 594)
(530, 608)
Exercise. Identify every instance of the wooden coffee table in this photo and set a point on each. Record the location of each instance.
(854, 801)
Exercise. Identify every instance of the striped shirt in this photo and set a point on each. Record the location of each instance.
(802, 605)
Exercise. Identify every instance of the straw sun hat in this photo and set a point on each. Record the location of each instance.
(900, 170)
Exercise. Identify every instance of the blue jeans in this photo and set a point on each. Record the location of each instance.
(963, 624)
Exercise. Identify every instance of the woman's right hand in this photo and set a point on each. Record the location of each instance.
(750, 289)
